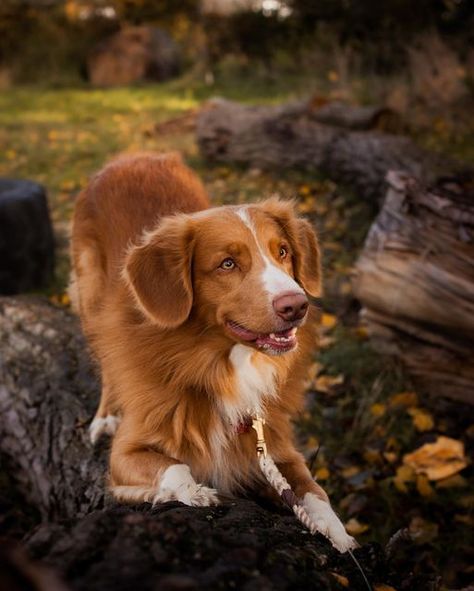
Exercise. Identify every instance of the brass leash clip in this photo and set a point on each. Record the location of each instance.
(257, 425)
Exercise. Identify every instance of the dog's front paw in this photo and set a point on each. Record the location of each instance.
(177, 484)
(328, 523)
(103, 426)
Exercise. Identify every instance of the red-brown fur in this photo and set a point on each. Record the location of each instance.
(153, 311)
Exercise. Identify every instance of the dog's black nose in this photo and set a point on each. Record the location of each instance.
(291, 306)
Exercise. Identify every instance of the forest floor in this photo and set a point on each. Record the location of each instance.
(363, 414)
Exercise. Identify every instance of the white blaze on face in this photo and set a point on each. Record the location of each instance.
(275, 280)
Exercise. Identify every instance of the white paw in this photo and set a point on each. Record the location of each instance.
(103, 426)
(177, 484)
(328, 523)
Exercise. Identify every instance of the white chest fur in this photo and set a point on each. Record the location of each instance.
(254, 383)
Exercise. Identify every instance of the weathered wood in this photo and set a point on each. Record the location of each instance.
(290, 136)
(47, 397)
(415, 279)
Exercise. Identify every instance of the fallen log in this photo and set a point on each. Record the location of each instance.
(291, 136)
(48, 391)
(415, 280)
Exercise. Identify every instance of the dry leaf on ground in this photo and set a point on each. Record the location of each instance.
(325, 383)
(422, 420)
(437, 460)
(355, 527)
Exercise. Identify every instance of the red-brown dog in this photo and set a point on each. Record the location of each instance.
(197, 317)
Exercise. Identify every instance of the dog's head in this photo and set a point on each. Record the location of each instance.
(244, 270)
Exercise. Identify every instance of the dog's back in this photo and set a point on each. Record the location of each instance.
(127, 198)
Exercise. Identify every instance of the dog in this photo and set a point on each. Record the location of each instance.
(199, 318)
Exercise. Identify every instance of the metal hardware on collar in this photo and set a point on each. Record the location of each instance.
(257, 425)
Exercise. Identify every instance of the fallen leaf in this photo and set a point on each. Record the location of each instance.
(423, 486)
(377, 409)
(437, 460)
(344, 581)
(422, 420)
(404, 474)
(322, 473)
(404, 399)
(350, 471)
(390, 456)
(355, 527)
(328, 321)
(325, 383)
(384, 588)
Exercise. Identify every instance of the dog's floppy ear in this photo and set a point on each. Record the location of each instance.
(307, 258)
(303, 241)
(158, 272)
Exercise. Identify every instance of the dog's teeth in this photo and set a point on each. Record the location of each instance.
(293, 331)
(272, 335)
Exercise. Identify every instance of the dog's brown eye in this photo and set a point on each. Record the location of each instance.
(227, 264)
(283, 252)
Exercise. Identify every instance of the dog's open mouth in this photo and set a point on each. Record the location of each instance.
(273, 342)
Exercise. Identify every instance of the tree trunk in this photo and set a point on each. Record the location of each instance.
(295, 136)
(48, 393)
(415, 279)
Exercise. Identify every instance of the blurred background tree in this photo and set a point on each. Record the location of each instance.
(49, 40)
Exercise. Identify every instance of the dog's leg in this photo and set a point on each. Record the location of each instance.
(315, 501)
(106, 420)
(140, 474)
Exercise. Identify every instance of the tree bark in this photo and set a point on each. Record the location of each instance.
(415, 279)
(295, 136)
(48, 392)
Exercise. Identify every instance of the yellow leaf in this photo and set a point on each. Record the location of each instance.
(422, 420)
(333, 76)
(438, 460)
(328, 321)
(377, 409)
(384, 588)
(350, 471)
(305, 190)
(355, 527)
(65, 299)
(404, 474)
(344, 581)
(10, 154)
(390, 456)
(423, 486)
(322, 473)
(326, 383)
(404, 399)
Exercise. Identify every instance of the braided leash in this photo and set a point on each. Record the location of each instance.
(280, 484)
